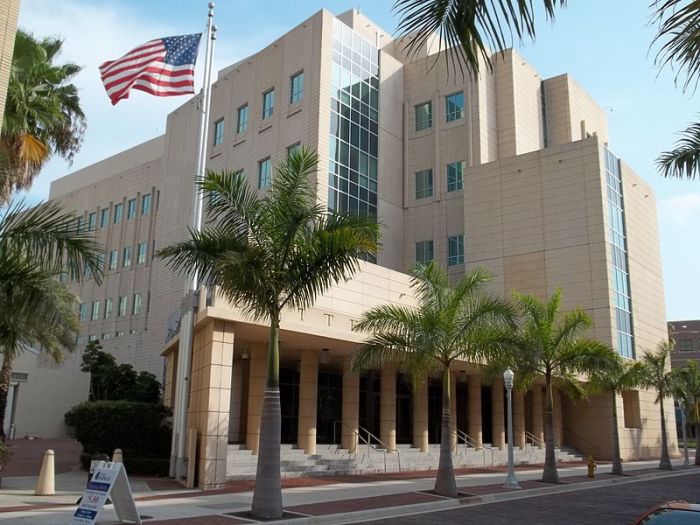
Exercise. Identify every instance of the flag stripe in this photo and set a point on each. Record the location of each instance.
(161, 67)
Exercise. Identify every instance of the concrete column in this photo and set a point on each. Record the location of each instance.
(308, 399)
(474, 392)
(351, 409)
(498, 427)
(420, 416)
(256, 392)
(387, 407)
(558, 423)
(518, 419)
(453, 409)
(538, 412)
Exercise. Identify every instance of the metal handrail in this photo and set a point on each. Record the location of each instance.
(470, 442)
(533, 439)
(359, 439)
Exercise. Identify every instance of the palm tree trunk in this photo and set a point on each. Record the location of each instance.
(617, 460)
(445, 483)
(5, 377)
(697, 444)
(267, 495)
(549, 475)
(665, 462)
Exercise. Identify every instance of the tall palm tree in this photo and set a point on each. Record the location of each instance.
(657, 375)
(469, 30)
(42, 116)
(686, 388)
(266, 254)
(448, 324)
(551, 345)
(619, 376)
(36, 246)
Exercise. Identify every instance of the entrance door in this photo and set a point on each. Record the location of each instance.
(462, 407)
(289, 404)
(434, 410)
(486, 418)
(404, 410)
(370, 388)
(329, 407)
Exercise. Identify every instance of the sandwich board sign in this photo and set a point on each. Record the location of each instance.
(108, 481)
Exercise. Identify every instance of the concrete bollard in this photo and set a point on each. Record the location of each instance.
(45, 485)
(117, 456)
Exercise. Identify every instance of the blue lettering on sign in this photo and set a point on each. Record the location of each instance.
(84, 513)
(99, 487)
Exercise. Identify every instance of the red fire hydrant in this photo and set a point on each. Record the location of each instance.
(591, 467)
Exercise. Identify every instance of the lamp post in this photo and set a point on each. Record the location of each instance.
(511, 481)
(686, 461)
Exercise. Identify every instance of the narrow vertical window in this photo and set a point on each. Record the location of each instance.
(146, 204)
(137, 304)
(104, 218)
(130, 209)
(424, 251)
(118, 210)
(268, 104)
(455, 250)
(454, 106)
(108, 307)
(242, 118)
(126, 259)
(454, 176)
(122, 306)
(297, 85)
(92, 221)
(264, 173)
(424, 116)
(218, 132)
(424, 184)
(95, 310)
(141, 253)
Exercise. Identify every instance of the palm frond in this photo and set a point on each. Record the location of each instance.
(468, 30)
(678, 35)
(684, 160)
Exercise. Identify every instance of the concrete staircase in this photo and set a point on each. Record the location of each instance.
(331, 460)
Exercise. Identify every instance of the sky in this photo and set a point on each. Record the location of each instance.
(603, 44)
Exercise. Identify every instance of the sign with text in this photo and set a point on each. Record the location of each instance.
(108, 481)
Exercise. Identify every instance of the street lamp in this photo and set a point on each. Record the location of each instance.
(686, 461)
(511, 481)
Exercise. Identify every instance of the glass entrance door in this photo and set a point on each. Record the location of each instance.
(329, 407)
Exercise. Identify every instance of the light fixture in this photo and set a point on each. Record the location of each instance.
(244, 355)
(511, 481)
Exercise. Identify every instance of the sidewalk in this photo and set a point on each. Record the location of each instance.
(327, 500)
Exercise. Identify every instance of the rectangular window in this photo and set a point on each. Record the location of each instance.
(79, 340)
(454, 176)
(101, 262)
(108, 307)
(242, 118)
(264, 173)
(424, 252)
(141, 253)
(83, 311)
(455, 250)
(87, 273)
(123, 302)
(268, 103)
(130, 209)
(424, 116)
(113, 259)
(454, 106)
(126, 257)
(92, 338)
(424, 184)
(218, 132)
(92, 221)
(297, 88)
(95, 310)
(106, 335)
(685, 345)
(80, 223)
(294, 147)
(118, 210)
(104, 218)
(137, 304)
(146, 204)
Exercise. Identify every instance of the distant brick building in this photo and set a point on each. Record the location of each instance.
(686, 335)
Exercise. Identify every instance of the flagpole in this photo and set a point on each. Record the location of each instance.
(190, 299)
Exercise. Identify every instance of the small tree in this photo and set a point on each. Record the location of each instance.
(657, 375)
(448, 324)
(686, 388)
(619, 376)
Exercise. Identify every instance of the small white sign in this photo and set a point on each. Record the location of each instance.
(109, 480)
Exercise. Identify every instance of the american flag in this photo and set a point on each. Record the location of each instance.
(163, 67)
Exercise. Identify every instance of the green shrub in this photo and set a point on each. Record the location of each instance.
(141, 430)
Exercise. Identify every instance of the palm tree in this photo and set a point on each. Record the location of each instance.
(448, 324)
(619, 376)
(43, 116)
(266, 254)
(658, 376)
(686, 388)
(550, 345)
(36, 246)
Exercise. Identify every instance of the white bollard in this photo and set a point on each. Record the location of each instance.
(45, 485)
(117, 456)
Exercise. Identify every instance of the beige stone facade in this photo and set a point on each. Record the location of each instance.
(9, 12)
(509, 171)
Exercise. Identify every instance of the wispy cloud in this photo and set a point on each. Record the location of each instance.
(680, 210)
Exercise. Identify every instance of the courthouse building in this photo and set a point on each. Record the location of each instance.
(508, 171)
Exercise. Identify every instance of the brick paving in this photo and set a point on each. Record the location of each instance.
(26, 456)
(201, 520)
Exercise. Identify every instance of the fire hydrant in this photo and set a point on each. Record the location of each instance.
(591, 466)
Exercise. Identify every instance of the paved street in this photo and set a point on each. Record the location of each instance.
(611, 505)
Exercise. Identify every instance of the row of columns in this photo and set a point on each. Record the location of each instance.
(308, 393)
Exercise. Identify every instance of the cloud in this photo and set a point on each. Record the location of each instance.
(680, 210)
